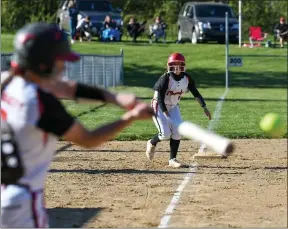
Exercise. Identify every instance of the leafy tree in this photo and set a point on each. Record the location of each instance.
(265, 13)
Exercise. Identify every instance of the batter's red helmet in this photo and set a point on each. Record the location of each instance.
(176, 63)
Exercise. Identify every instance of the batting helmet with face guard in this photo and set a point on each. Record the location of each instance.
(176, 63)
(37, 47)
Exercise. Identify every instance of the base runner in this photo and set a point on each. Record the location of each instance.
(168, 91)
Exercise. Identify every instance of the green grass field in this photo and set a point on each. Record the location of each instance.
(259, 87)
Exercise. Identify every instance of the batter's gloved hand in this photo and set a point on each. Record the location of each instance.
(207, 112)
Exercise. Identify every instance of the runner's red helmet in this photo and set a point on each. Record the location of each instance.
(176, 63)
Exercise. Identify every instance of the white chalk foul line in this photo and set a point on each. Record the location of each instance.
(193, 169)
(176, 197)
(215, 118)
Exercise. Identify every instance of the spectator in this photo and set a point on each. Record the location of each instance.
(135, 29)
(158, 30)
(73, 14)
(108, 23)
(110, 31)
(282, 31)
(84, 29)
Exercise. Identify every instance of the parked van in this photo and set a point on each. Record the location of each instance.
(202, 22)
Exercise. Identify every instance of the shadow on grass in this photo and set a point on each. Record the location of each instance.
(261, 55)
(227, 100)
(93, 109)
(146, 76)
(71, 217)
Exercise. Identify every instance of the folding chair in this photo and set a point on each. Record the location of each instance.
(256, 34)
(158, 32)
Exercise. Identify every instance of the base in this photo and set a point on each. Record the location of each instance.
(208, 155)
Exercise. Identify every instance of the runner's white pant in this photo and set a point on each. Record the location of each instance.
(22, 208)
(166, 131)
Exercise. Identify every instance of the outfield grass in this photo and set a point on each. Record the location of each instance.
(259, 87)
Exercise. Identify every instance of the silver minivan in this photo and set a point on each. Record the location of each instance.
(200, 22)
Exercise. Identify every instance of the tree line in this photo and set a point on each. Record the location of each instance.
(264, 13)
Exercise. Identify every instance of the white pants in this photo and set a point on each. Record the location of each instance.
(22, 208)
(166, 131)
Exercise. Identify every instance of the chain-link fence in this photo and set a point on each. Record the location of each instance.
(103, 70)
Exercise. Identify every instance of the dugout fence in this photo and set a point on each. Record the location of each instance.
(102, 70)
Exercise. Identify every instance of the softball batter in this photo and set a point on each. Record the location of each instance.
(168, 91)
(32, 120)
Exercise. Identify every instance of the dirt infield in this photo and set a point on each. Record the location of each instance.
(115, 186)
